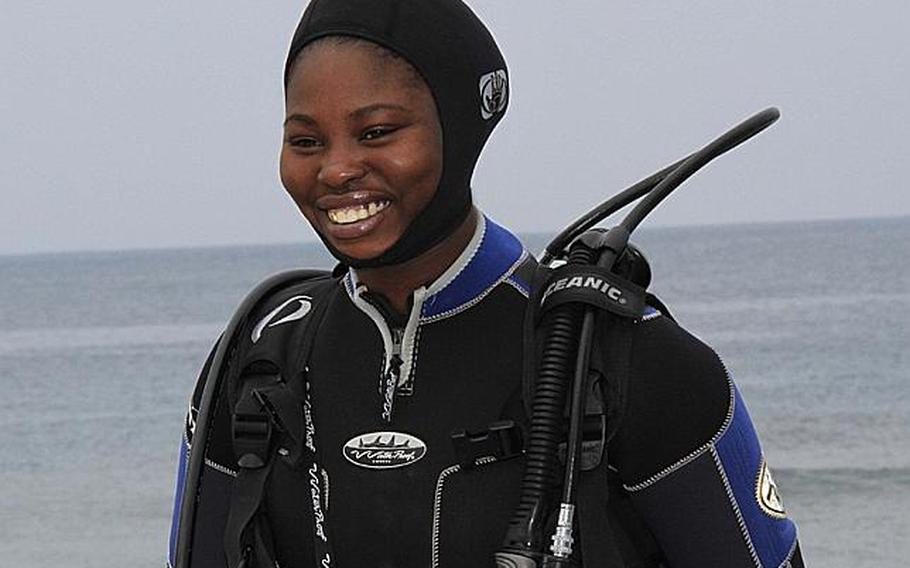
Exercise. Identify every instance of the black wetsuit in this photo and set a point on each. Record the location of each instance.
(386, 396)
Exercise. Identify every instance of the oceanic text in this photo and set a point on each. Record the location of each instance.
(592, 282)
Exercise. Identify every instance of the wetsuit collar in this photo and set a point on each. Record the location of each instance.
(491, 256)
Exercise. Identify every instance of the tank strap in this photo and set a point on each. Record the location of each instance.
(598, 543)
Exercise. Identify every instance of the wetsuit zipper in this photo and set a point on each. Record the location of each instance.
(392, 375)
(396, 374)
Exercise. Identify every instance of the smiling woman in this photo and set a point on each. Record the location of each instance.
(362, 156)
(318, 391)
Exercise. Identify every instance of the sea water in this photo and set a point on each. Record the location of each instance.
(99, 353)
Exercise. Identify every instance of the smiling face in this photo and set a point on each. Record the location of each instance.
(362, 151)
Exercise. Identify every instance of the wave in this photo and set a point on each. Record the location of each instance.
(56, 339)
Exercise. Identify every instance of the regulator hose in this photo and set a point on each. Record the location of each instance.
(524, 543)
(561, 330)
(681, 170)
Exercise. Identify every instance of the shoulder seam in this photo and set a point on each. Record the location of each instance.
(739, 516)
(517, 286)
(475, 300)
(728, 419)
(789, 557)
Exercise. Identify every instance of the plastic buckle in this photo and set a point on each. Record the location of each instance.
(500, 440)
(593, 440)
(251, 432)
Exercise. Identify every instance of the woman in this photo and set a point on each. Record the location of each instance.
(388, 105)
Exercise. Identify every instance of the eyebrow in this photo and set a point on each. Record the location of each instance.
(359, 113)
(370, 109)
(298, 117)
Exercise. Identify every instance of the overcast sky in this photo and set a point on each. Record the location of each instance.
(157, 124)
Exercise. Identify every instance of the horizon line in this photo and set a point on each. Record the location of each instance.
(316, 242)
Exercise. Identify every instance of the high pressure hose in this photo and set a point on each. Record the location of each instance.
(564, 334)
(561, 329)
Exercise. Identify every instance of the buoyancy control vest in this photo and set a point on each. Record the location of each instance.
(260, 414)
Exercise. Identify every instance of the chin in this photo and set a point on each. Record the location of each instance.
(361, 251)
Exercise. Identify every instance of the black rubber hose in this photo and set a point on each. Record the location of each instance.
(604, 210)
(658, 185)
(561, 328)
(727, 141)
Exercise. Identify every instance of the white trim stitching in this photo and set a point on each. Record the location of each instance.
(325, 479)
(437, 503)
(464, 259)
(411, 378)
(221, 468)
(409, 338)
(698, 451)
(739, 516)
(474, 301)
(517, 286)
(789, 557)
(380, 323)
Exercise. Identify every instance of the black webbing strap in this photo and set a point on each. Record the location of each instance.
(612, 533)
(611, 358)
(276, 402)
(246, 499)
(598, 543)
(315, 474)
(253, 423)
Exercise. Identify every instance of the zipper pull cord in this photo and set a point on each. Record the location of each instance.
(392, 376)
(390, 384)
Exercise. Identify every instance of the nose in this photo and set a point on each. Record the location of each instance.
(341, 168)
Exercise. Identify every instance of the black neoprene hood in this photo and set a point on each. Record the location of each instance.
(461, 63)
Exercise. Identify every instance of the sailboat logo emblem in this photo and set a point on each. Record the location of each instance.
(384, 450)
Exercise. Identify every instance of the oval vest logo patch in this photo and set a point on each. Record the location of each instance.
(384, 450)
(766, 491)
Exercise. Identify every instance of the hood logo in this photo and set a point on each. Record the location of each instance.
(494, 92)
(766, 492)
(301, 305)
(384, 450)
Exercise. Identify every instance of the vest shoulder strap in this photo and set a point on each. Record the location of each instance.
(267, 392)
(263, 316)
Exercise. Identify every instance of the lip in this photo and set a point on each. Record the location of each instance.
(351, 199)
(351, 231)
(356, 230)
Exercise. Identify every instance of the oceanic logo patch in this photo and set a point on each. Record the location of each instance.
(384, 450)
(766, 492)
(494, 92)
(291, 309)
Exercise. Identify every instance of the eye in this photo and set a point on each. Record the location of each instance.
(303, 142)
(377, 132)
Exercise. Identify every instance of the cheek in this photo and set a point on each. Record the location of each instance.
(295, 177)
(421, 170)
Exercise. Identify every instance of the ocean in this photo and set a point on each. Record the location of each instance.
(99, 353)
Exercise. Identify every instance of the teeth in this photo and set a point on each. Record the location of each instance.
(347, 215)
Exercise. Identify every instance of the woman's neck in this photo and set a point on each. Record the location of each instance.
(396, 282)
